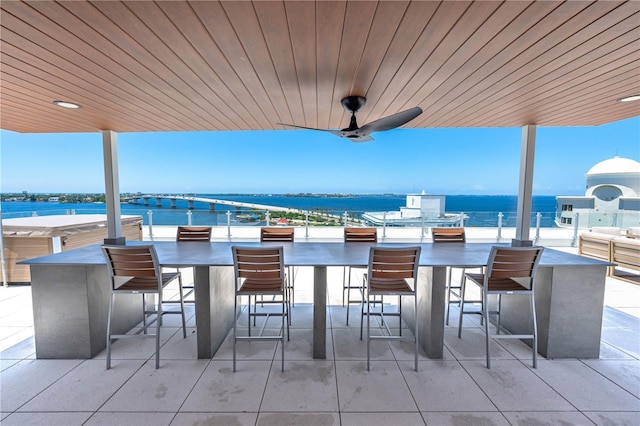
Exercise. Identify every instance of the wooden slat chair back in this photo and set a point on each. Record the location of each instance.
(389, 269)
(136, 270)
(263, 265)
(260, 271)
(282, 235)
(134, 262)
(448, 235)
(194, 233)
(506, 263)
(392, 271)
(360, 235)
(356, 235)
(510, 270)
(278, 234)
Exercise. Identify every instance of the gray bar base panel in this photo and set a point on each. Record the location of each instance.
(70, 310)
(213, 319)
(569, 302)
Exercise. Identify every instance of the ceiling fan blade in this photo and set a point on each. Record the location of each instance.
(391, 121)
(300, 127)
(332, 131)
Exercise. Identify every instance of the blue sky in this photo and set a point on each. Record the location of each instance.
(479, 161)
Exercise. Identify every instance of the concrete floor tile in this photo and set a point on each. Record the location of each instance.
(465, 419)
(77, 390)
(629, 418)
(549, 418)
(472, 345)
(348, 346)
(444, 386)
(179, 347)
(300, 346)
(625, 373)
(219, 389)
(129, 419)
(247, 350)
(303, 386)
(585, 388)
(19, 345)
(142, 349)
(368, 419)
(157, 390)
(512, 386)
(302, 316)
(306, 419)
(383, 388)
(215, 419)
(6, 363)
(47, 419)
(26, 379)
(610, 352)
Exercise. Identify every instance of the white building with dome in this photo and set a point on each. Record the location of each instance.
(612, 197)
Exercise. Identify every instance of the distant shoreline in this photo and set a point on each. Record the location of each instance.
(6, 195)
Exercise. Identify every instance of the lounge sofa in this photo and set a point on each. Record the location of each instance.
(610, 244)
(625, 251)
(596, 242)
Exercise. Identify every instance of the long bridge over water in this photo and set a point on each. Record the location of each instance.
(212, 203)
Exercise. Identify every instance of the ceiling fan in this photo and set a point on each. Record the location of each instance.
(361, 134)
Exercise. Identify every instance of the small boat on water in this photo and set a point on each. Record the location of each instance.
(247, 218)
(420, 210)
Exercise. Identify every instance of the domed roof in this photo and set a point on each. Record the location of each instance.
(615, 165)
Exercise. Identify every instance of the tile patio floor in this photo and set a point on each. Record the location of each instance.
(457, 390)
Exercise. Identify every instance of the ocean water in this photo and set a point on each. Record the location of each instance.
(482, 210)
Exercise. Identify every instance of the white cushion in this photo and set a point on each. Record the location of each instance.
(611, 230)
(632, 241)
(598, 236)
(633, 232)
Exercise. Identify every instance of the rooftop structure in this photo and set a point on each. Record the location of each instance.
(612, 197)
(420, 210)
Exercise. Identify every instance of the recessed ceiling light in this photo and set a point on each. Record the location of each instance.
(65, 104)
(629, 98)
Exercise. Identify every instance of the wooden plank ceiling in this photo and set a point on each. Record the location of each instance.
(138, 66)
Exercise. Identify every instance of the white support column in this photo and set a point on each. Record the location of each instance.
(2, 259)
(112, 187)
(525, 187)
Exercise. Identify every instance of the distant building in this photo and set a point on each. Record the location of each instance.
(420, 209)
(612, 197)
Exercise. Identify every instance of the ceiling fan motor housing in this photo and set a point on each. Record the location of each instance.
(353, 103)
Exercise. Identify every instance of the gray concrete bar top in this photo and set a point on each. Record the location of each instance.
(333, 254)
(70, 294)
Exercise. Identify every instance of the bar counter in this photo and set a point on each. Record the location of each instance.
(70, 292)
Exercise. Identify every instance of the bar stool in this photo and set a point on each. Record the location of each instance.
(260, 271)
(450, 235)
(285, 235)
(201, 234)
(510, 271)
(392, 272)
(356, 235)
(135, 270)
